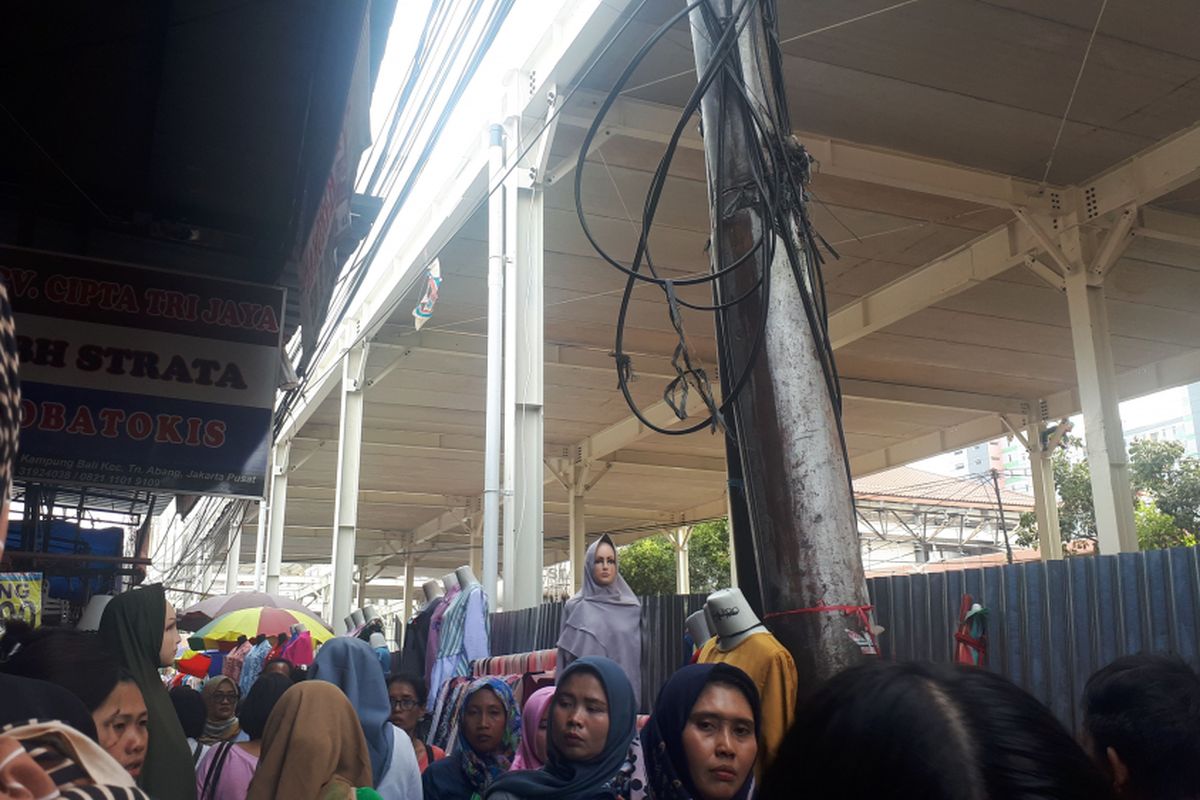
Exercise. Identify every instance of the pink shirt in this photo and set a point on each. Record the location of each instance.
(234, 781)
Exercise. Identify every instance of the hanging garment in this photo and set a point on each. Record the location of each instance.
(773, 671)
(435, 634)
(252, 667)
(462, 639)
(299, 650)
(603, 621)
(416, 639)
(232, 668)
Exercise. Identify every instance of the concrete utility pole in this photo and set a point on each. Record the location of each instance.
(796, 483)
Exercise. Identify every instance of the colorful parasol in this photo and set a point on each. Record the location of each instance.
(204, 612)
(253, 621)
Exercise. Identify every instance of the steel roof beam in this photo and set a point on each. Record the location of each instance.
(654, 122)
(1176, 371)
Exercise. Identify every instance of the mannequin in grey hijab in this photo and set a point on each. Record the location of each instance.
(604, 618)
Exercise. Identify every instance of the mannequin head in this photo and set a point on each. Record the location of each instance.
(604, 567)
(432, 590)
(371, 615)
(358, 617)
(697, 627)
(466, 576)
(450, 581)
(349, 622)
(732, 618)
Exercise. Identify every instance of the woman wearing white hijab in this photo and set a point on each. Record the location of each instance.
(604, 618)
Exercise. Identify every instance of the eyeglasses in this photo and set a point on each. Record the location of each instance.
(407, 704)
(225, 697)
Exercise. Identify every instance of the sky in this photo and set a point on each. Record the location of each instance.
(1152, 409)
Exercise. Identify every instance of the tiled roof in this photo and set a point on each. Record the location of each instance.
(908, 484)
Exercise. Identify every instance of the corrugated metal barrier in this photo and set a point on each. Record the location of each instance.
(1050, 624)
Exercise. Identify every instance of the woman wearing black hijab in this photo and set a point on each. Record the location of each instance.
(701, 742)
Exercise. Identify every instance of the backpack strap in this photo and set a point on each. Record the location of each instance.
(215, 767)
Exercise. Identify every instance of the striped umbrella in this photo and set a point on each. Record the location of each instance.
(251, 622)
(196, 617)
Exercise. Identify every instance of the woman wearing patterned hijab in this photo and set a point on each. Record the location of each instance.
(489, 733)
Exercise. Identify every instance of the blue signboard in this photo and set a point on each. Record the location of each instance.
(144, 379)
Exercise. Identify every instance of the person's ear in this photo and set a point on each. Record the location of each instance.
(1118, 770)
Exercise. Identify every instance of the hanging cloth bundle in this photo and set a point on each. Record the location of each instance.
(971, 636)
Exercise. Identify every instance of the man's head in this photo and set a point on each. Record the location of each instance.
(10, 408)
(278, 666)
(1142, 725)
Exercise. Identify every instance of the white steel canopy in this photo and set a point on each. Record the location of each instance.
(975, 295)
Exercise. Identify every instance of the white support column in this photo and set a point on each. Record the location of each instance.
(475, 557)
(1044, 493)
(577, 521)
(1112, 492)
(494, 408)
(680, 540)
(524, 363)
(345, 504)
(260, 541)
(278, 513)
(233, 556)
(408, 598)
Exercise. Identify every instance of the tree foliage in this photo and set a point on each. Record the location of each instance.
(1076, 512)
(1161, 470)
(648, 565)
(1165, 485)
(1157, 529)
(709, 555)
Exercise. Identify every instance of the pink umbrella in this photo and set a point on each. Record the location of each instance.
(196, 617)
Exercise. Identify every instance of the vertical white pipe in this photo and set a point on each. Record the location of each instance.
(510, 372)
(279, 487)
(495, 363)
(260, 537)
(233, 558)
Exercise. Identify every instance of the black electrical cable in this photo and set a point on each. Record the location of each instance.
(779, 169)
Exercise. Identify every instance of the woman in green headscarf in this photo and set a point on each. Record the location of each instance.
(139, 628)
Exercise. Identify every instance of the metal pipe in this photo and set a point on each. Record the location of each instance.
(279, 487)
(260, 537)
(509, 477)
(233, 555)
(495, 365)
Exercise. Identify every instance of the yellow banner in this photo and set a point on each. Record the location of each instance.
(21, 596)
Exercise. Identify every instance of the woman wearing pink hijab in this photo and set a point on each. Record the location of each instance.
(534, 719)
